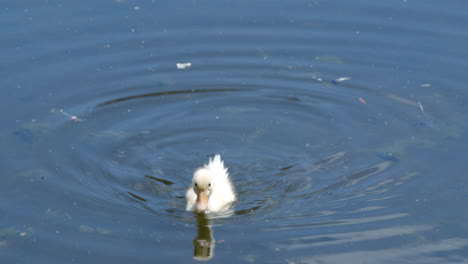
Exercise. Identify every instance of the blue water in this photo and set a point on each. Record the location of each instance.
(343, 125)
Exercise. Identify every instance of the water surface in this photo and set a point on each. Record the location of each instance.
(343, 126)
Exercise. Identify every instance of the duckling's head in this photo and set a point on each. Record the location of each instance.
(203, 187)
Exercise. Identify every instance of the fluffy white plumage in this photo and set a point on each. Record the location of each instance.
(211, 188)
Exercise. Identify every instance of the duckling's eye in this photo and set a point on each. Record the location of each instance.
(209, 184)
(196, 185)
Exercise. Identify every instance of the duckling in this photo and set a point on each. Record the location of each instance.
(211, 189)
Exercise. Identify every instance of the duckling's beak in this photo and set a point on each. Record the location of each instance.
(202, 201)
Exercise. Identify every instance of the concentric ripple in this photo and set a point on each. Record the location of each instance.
(138, 151)
(288, 132)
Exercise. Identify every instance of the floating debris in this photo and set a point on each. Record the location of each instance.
(72, 117)
(183, 65)
(425, 85)
(341, 79)
(362, 100)
(318, 79)
(12, 232)
(421, 107)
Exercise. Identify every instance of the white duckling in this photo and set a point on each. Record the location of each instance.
(211, 188)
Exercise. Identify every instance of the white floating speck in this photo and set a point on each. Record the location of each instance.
(342, 79)
(317, 78)
(183, 65)
(421, 107)
(72, 117)
(425, 85)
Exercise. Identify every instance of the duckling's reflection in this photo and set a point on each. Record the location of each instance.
(204, 242)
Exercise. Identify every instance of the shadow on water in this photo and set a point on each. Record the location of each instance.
(166, 182)
(356, 177)
(147, 95)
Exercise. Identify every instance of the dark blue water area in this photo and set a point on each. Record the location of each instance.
(343, 125)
